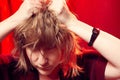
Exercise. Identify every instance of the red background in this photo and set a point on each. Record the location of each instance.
(104, 14)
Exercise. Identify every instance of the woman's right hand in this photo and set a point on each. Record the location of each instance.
(28, 8)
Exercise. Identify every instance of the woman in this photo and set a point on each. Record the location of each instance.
(47, 47)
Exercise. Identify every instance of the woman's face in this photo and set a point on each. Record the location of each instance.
(45, 61)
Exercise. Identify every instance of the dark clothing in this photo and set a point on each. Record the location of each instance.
(94, 68)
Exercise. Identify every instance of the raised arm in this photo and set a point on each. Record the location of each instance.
(107, 44)
(26, 10)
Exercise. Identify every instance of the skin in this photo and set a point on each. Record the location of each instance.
(45, 61)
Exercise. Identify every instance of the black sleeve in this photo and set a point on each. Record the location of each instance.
(6, 59)
(4, 65)
(94, 66)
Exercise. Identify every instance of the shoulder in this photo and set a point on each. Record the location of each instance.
(90, 57)
(6, 59)
(5, 63)
(8, 70)
(93, 65)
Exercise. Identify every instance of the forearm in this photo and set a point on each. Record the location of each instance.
(7, 26)
(80, 28)
(106, 44)
(25, 11)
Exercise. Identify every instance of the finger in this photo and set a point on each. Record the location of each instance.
(35, 6)
(36, 10)
(57, 5)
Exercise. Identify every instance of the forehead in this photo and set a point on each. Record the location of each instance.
(52, 51)
(44, 48)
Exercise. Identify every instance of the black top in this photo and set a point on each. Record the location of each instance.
(94, 68)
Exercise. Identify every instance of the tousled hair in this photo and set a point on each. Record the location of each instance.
(44, 30)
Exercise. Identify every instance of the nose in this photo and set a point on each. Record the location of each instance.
(43, 60)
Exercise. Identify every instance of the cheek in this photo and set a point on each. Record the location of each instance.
(28, 52)
(32, 57)
(54, 58)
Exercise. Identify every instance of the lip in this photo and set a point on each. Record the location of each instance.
(45, 68)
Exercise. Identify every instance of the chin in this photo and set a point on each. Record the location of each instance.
(45, 72)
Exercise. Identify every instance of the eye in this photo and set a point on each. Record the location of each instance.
(50, 48)
(35, 51)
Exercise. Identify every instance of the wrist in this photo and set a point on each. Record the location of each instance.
(17, 19)
(95, 33)
(13, 21)
(71, 20)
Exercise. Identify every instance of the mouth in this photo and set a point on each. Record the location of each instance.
(45, 68)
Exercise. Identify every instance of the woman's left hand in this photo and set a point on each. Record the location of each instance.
(56, 5)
